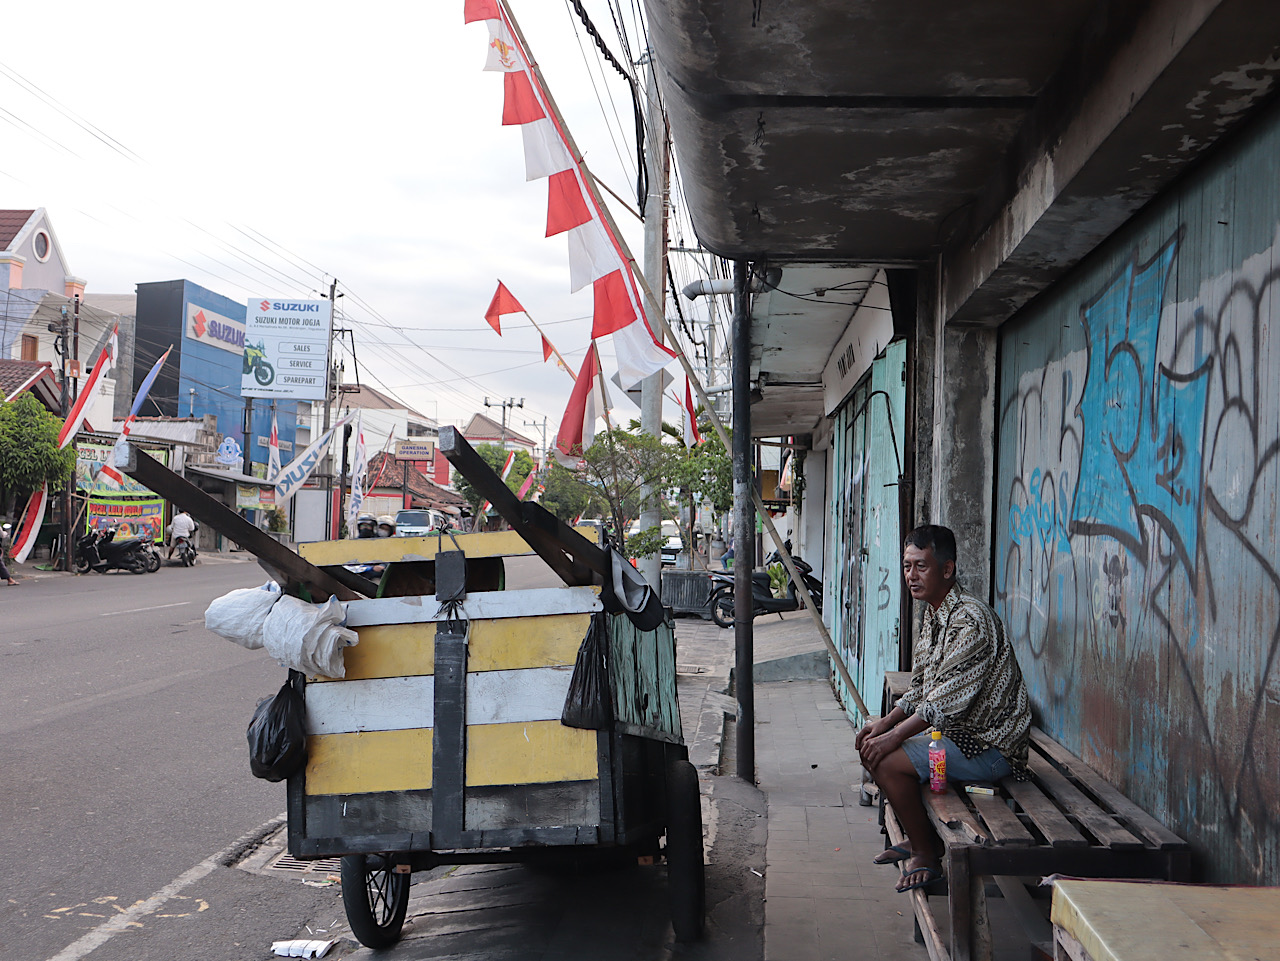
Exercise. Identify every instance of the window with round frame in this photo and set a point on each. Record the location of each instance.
(41, 245)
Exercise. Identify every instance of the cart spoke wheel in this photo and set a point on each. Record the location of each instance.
(685, 873)
(375, 897)
(722, 606)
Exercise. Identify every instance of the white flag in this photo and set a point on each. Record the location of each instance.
(358, 468)
(273, 450)
(296, 472)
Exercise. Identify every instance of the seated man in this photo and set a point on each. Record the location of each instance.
(965, 683)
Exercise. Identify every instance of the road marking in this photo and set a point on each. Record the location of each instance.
(137, 610)
(129, 918)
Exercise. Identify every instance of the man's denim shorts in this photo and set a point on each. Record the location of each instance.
(988, 767)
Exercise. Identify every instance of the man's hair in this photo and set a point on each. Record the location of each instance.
(935, 538)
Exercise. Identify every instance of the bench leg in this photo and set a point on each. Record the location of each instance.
(967, 905)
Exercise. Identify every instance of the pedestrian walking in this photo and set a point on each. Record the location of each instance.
(4, 553)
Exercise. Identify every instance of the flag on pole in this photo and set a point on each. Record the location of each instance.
(273, 450)
(33, 516)
(359, 466)
(547, 349)
(295, 473)
(692, 437)
(587, 403)
(504, 302)
(597, 255)
(528, 482)
(120, 450)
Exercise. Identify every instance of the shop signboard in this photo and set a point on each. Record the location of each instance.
(254, 498)
(286, 348)
(416, 450)
(130, 516)
(212, 328)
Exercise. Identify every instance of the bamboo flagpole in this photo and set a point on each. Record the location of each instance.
(655, 312)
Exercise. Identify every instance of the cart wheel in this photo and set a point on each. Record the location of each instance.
(375, 897)
(685, 872)
(722, 606)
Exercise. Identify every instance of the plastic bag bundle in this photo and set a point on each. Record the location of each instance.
(308, 637)
(239, 616)
(589, 703)
(277, 735)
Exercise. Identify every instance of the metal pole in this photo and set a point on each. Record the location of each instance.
(66, 409)
(247, 466)
(327, 464)
(744, 538)
(655, 270)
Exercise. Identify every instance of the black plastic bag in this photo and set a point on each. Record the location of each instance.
(589, 703)
(277, 735)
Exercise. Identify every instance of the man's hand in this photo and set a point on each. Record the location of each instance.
(878, 745)
(871, 729)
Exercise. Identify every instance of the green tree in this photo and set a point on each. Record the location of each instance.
(566, 496)
(29, 454)
(495, 457)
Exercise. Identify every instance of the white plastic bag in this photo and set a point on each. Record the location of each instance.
(238, 616)
(308, 637)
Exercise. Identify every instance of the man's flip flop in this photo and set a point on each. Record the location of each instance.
(892, 854)
(930, 875)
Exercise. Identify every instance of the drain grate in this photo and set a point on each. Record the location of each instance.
(322, 867)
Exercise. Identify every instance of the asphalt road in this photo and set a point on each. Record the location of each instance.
(126, 769)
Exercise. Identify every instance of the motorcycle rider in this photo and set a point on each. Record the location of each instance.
(366, 526)
(182, 525)
(386, 526)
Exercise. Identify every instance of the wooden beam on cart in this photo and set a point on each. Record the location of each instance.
(575, 559)
(284, 565)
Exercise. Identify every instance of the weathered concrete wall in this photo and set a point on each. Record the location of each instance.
(1136, 559)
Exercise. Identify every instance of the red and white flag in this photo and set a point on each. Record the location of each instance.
(596, 254)
(33, 516)
(504, 302)
(692, 437)
(587, 403)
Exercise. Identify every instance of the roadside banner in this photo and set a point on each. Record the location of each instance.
(295, 474)
(286, 348)
(358, 469)
(130, 517)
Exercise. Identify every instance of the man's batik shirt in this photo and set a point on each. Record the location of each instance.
(966, 683)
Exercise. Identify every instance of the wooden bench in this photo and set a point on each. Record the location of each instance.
(1066, 820)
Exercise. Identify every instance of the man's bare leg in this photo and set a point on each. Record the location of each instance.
(897, 777)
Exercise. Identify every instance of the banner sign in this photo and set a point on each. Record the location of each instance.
(130, 517)
(212, 328)
(90, 459)
(296, 472)
(286, 348)
(254, 498)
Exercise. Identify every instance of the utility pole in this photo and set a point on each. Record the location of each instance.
(543, 427)
(506, 405)
(655, 272)
(62, 329)
(329, 391)
(744, 534)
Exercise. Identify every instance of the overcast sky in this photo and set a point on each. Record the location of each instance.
(323, 139)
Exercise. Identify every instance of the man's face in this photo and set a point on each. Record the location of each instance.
(927, 580)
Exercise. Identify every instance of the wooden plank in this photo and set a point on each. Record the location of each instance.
(529, 753)
(960, 906)
(1091, 817)
(390, 650)
(449, 749)
(379, 704)
(508, 697)
(896, 684)
(950, 810)
(1002, 825)
(1049, 821)
(509, 644)
(925, 920)
(1134, 817)
(389, 550)
(421, 609)
(370, 761)
(1034, 922)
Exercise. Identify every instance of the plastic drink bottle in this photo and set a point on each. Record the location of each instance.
(937, 765)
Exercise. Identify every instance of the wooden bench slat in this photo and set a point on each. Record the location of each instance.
(949, 809)
(1049, 821)
(1136, 818)
(1003, 825)
(1091, 817)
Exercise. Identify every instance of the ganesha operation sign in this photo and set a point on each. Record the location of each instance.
(286, 348)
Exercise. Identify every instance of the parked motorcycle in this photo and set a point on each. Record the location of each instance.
(150, 552)
(100, 551)
(722, 599)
